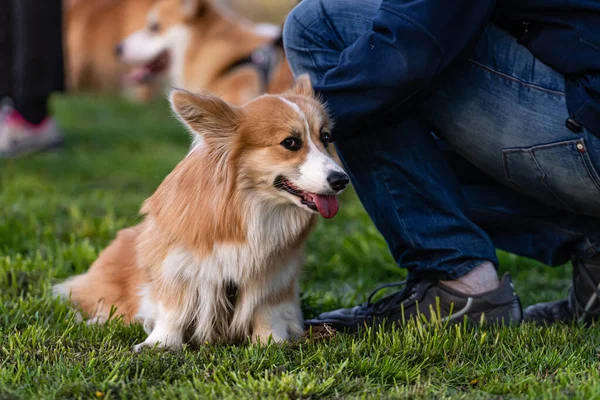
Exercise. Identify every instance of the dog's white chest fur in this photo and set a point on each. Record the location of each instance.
(258, 269)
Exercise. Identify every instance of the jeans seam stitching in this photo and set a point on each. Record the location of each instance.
(326, 20)
(305, 48)
(583, 162)
(539, 167)
(587, 164)
(307, 28)
(517, 80)
(544, 176)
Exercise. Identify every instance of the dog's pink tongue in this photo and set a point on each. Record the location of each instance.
(137, 75)
(328, 206)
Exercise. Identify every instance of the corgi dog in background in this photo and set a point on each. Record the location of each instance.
(92, 30)
(195, 46)
(217, 257)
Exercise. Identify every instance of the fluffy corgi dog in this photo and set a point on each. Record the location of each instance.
(198, 48)
(218, 255)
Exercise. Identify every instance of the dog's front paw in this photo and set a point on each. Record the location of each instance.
(171, 342)
(97, 320)
(139, 347)
(296, 329)
(278, 323)
(155, 345)
(281, 331)
(148, 345)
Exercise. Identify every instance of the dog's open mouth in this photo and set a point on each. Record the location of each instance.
(325, 204)
(147, 72)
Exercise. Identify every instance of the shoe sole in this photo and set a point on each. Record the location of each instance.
(492, 316)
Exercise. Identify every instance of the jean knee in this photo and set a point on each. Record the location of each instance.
(306, 40)
(294, 28)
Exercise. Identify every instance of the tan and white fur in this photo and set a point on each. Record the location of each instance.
(196, 46)
(217, 257)
(92, 30)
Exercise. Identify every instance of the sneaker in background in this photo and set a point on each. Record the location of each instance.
(19, 137)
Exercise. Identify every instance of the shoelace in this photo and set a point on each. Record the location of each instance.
(382, 304)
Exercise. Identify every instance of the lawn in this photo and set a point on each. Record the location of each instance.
(58, 210)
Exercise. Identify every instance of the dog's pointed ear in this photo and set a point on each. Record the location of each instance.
(193, 8)
(303, 86)
(205, 114)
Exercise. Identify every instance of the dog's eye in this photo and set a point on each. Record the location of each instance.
(292, 143)
(154, 27)
(325, 138)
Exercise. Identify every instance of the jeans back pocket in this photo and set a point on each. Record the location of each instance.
(560, 174)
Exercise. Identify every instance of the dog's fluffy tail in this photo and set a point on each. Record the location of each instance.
(112, 282)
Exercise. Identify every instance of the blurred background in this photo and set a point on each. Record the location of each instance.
(273, 11)
(131, 48)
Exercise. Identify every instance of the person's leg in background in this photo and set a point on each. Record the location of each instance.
(6, 64)
(36, 72)
(37, 67)
(403, 180)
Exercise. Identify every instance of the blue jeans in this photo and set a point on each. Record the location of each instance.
(501, 169)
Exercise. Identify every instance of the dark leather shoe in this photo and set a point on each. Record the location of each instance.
(431, 302)
(582, 303)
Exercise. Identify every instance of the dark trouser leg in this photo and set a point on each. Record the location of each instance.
(415, 200)
(6, 56)
(37, 68)
(399, 173)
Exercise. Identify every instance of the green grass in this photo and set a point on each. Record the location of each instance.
(58, 210)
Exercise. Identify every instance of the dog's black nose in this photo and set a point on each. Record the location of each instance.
(338, 180)
(119, 49)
